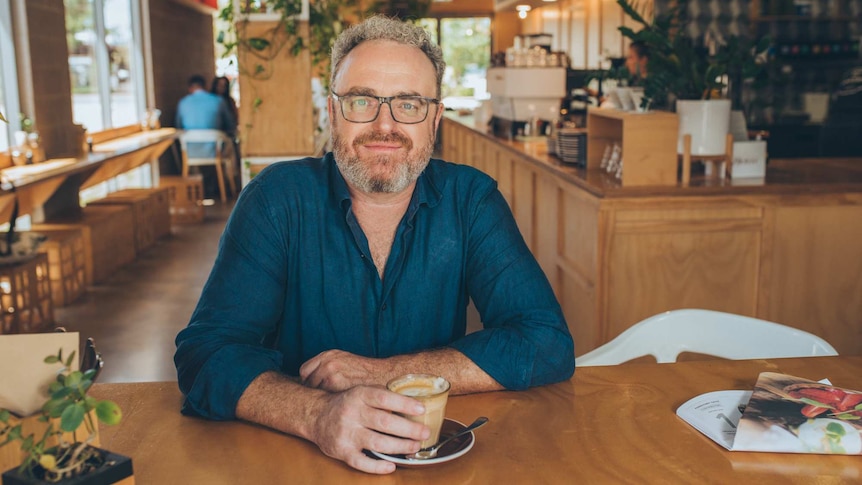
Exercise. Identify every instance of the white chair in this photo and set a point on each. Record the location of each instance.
(666, 335)
(222, 157)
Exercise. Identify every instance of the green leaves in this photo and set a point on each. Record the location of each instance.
(108, 412)
(258, 43)
(69, 403)
(72, 417)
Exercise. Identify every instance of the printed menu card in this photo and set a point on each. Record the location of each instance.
(783, 414)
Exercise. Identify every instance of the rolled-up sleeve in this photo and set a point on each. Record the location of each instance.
(525, 341)
(221, 351)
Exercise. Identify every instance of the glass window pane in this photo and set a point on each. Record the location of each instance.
(466, 44)
(121, 45)
(4, 129)
(430, 25)
(82, 40)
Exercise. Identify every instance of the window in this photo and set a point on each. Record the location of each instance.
(466, 44)
(107, 86)
(8, 81)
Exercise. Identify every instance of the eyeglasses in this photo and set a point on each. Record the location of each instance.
(360, 108)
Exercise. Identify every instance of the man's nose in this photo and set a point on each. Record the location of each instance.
(385, 120)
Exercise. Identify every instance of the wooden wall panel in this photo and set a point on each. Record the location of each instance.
(180, 49)
(282, 125)
(504, 27)
(523, 197)
(684, 264)
(49, 78)
(823, 244)
(482, 158)
(579, 220)
(578, 302)
(504, 172)
(547, 225)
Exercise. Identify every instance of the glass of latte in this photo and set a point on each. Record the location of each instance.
(432, 391)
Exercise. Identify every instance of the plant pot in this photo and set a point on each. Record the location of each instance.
(116, 470)
(707, 121)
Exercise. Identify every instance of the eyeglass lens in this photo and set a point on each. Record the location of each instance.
(404, 109)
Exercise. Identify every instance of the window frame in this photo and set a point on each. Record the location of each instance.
(9, 72)
(103, 62)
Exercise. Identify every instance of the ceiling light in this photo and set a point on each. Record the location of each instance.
(522, 10)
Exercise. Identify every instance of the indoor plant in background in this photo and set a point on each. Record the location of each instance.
(50, 455)
(698, 80)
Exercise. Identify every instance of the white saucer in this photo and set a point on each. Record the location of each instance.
(451, 450)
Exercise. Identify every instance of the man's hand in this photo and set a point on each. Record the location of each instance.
(361, 418)
(337, 370)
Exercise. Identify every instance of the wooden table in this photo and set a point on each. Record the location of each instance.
(54, 185)
(607, 425)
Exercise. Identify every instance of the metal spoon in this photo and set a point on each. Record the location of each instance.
(431, 452)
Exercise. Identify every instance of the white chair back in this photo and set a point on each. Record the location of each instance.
(719, 334)
(222, 159)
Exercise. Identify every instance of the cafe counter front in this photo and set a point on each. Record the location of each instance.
(785, 248)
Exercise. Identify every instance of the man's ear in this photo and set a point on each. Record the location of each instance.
(438, 116)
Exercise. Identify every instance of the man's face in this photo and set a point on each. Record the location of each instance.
(383, 155)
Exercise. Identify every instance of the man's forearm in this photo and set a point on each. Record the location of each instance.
(462, 373)
(337, 370)
(281, 403)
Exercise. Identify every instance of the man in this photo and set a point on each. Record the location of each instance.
(201, 109)
(636, 62)
(347, 271)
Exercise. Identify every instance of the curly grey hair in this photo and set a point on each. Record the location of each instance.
(384, 28)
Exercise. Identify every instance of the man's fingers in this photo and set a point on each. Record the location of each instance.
(394, 425)
(370, 465)
(309, 367)
(380, 398)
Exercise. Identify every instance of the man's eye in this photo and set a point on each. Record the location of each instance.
(360, 103)
(410, 105)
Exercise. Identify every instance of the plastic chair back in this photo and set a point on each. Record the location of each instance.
(209, 149)
(719, 334)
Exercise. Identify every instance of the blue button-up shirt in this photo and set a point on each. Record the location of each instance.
(294, 277)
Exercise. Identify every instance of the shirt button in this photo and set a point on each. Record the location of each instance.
(362, 256)
(383, 307)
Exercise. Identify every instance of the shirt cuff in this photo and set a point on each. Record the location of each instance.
(224, 378)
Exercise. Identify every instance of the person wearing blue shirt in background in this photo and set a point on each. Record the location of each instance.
(200, 110)
(335, 275)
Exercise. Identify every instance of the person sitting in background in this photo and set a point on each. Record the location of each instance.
(202, 110)
(221, 87)
(636, 62)
(336, 274)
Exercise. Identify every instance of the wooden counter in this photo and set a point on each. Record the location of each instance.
(612, 424)
(54, 184)
(787, 248)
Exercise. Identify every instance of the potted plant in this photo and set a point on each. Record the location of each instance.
(50, 455)
(691, 77)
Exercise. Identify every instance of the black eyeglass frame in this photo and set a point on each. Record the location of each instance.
(385, 100)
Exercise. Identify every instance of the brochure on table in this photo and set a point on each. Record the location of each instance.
(784, 414)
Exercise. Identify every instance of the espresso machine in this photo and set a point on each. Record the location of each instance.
(524, 100)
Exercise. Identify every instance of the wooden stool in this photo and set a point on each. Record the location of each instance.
(716, 160)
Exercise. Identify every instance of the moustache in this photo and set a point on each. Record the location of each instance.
(378, 137)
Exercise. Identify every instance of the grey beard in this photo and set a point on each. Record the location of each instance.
(356, 172)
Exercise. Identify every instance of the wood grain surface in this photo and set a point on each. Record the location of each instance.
(612, 424)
